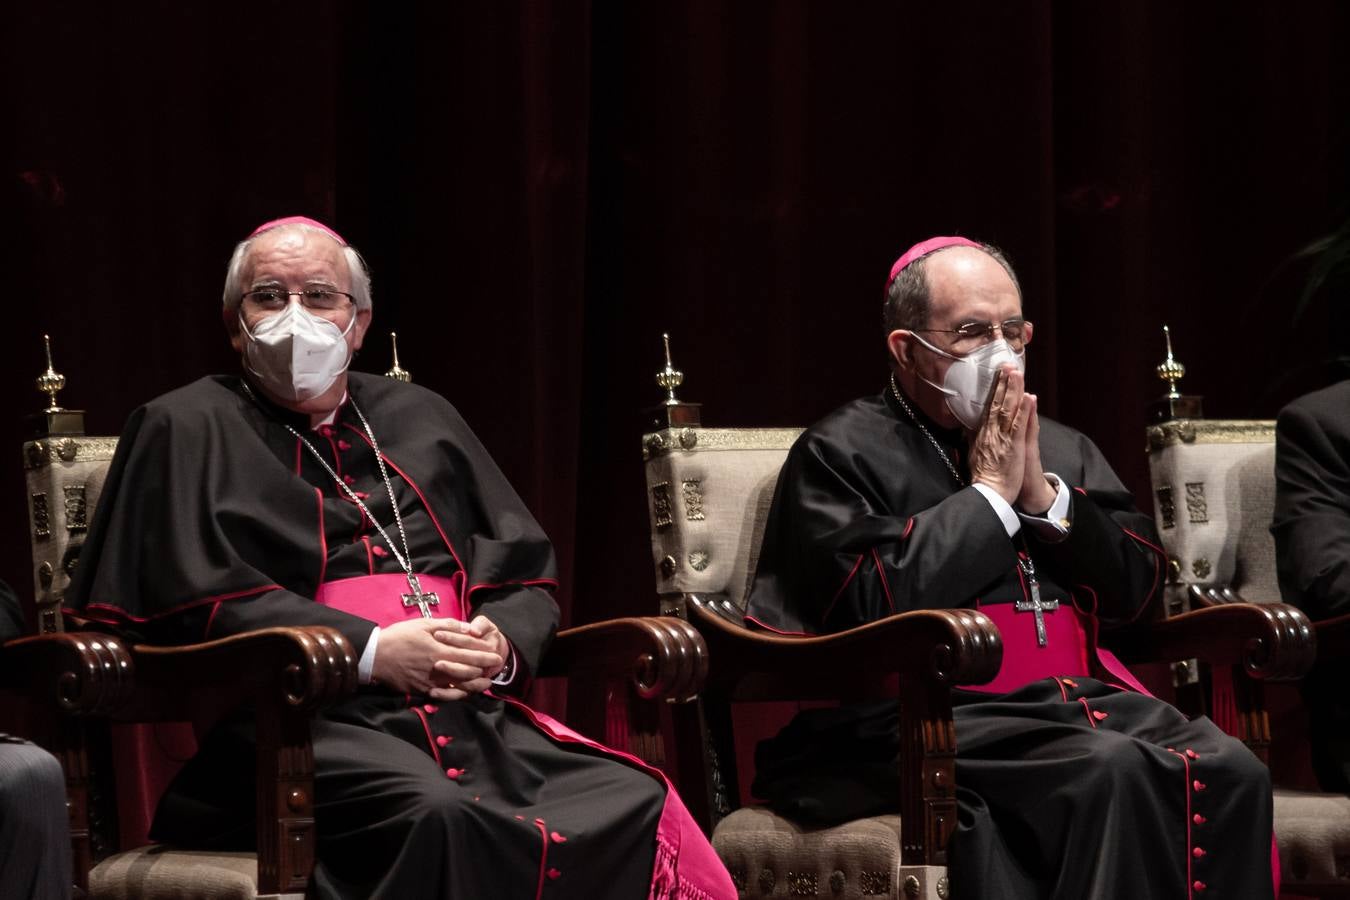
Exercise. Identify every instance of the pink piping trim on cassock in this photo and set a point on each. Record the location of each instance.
(1087, 711)
(543, 858)
(191, 604)
(1190, 875)
(696, 859)
(418, 491)
(370, 556)
(881, 573)
(527, 582)
(1076, 605)
(909, 526)
(1062, 692)
(298, 447)
(768, 627)
(206, 632)
(431, 740)
(323, 540)
(1157, 573)
(839, 593)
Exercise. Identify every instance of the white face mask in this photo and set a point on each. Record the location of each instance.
(296, 354)
(969, 378)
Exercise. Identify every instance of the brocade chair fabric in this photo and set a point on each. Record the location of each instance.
(1213, 484)
(709, 491)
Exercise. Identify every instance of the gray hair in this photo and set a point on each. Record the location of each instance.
(908, 302)
(234, 273)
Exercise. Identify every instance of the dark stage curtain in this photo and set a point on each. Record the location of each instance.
(541, 189)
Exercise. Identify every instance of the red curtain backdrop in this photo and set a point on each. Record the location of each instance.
(541, 189)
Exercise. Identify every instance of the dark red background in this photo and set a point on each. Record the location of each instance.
(542, 188)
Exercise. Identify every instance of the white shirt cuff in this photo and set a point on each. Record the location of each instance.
(365, 666)
(1006, 514)
(508, 672)
(1055, 524)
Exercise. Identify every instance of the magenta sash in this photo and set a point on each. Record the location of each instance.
(379, 598)
(1068, 651)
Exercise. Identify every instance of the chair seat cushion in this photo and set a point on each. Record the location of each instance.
(769, 855)
(156, 871)
(1313, 833)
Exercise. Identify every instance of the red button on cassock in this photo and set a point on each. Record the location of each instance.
(1199, 819)
(1192, 754)
(453, 774)
(343, 445)
(1198, 852)
(1198, 785)
(430, 707)
(1199, 885)
(441, 740)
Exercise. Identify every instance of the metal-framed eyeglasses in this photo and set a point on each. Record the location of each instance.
(319, 300)
(973, 334)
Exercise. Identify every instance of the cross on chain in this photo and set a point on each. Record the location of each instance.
(417, 598)
(1036, 606)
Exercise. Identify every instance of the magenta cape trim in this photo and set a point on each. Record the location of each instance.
(298, 220)
(1067, 652)
(686, 866)
(923, 248)
(379, 598)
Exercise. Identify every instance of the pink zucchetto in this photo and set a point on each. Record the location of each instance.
(923, 248)
(299, 220)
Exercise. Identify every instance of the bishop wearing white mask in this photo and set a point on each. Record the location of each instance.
(301, 493)
(948, 488)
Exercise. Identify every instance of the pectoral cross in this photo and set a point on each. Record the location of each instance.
(423, 601)
(1036, 606)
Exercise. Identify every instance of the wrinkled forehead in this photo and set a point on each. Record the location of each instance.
(968, 284)
(295, 252)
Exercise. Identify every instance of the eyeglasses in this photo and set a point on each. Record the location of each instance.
(1014, 331)
(314, 299)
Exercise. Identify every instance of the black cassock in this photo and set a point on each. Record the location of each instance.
(1312, 553)
(204, 530)
(1068, 787)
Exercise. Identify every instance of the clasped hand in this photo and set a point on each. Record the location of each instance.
(1005, 450)
(445, 659)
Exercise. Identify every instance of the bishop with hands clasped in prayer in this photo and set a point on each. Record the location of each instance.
(949, 489)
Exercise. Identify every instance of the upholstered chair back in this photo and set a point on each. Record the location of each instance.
(64, 476)
(1213, 483)
(708, 496)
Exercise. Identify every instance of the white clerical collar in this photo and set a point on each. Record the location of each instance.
(332, 416)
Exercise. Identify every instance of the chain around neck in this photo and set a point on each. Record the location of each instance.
(947, 460)
(404, 558)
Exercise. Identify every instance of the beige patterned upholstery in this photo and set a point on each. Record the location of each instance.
(708, 493)
(1213, 485)
(64, 476)
(708, 497)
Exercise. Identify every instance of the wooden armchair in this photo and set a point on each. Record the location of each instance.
(708, 492)
(75, 685)
(1213, 483)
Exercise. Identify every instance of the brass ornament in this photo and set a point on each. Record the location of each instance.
(34, 455)
(661, 506)
(693, 501)
(801, 884)
(912, 886)
(51, 381)
(669, 378)
(1167, 509)
(1210, 431)
(658, 443)
(398, 373)
(42, 520)
(688, 438)
(67, 449)
(668, 566)
(1173, 570)
(45, 572)
(942, 888)
(1169, 370)
(1196, 506)
(76, 508)
(1201, 568)
(698, 560)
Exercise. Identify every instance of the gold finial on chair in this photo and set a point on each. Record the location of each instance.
(50, 381)
(398, 373)
(669, 378)
(1169, 370)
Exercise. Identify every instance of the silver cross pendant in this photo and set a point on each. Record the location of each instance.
(1036, 606)
(417, 598)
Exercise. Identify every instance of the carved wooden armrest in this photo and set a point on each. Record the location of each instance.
(1271, 641)
(79, 672)
(665, 657)
(947, 646)
(301, 668)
